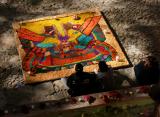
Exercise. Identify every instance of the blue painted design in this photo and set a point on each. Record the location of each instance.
(109, 58)
(44, 45)
(79, 47)
(84, 39)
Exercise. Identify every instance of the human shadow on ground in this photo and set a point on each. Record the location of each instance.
(119, 79)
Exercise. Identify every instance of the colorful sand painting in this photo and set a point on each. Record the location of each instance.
(50, 47)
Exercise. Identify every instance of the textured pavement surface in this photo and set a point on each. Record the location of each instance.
(136, 23)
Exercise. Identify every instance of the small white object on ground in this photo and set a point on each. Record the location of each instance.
(125, 83)
(95, 71)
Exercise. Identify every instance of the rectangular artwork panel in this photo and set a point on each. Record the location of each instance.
(49, 47)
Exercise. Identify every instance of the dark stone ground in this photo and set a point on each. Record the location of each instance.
(136, 23)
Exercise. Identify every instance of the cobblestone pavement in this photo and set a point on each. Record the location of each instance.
(136, 23)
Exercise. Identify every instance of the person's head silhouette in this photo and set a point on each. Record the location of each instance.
(154, 93)
(103, 67)
(79, 67)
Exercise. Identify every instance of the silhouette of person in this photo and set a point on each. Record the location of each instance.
(147, 71)
(154, 93)
(105, 76)
(81, 82)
